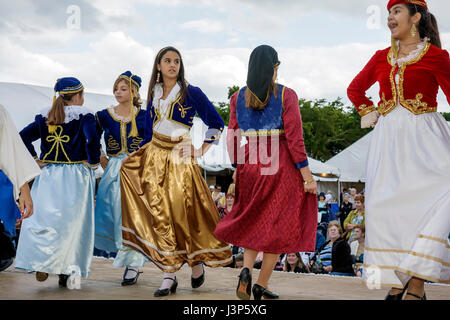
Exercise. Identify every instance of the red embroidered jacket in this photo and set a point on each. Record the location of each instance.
(418, 82)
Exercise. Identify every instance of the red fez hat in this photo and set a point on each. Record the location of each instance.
(421, 3)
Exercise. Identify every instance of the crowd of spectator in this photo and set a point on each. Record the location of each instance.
(340, 238)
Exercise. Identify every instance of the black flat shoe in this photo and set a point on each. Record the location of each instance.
(165, 292)
(243, 290)
(130, 281)
(197, 282)
(63, 280)
(260, 291)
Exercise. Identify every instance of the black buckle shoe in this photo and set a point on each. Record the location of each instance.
(260, 291)
(130, 281)
(197, 282)
(243, 290)
(63, 280)
(165, 292)
(5, 263)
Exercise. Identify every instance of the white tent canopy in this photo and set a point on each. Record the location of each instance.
(352, 160)
(323, 171)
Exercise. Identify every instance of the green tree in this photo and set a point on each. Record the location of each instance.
(232, 90)
(223, 108)
(329, 127)
(446, 115)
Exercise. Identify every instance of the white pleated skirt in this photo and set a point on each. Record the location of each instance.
(408, 200)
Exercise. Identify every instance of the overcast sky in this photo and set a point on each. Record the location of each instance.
(322, 45)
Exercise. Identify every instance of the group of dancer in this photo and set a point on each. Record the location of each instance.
(153, 205)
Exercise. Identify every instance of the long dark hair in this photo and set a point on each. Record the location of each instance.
(181, 81)
(300, 263)
(428, 26)
(252, 102)
(57, 115)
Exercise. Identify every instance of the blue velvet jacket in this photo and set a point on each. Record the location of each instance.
(196, 102)
(117, 131)
(74, 141)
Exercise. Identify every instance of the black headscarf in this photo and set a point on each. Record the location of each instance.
(260, 71)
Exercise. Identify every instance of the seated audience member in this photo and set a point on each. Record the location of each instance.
(333, 257)
(344, 209)
(224, 210)
(239, 261)
(354, 218)
(218, 196)
(294, 263)
(322, 215)
(279, 265)
(357, 248)
(320, 239)
(353, 194)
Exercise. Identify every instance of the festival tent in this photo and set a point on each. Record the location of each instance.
(352, 160)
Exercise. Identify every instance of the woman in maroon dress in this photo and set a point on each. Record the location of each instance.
(275, 209)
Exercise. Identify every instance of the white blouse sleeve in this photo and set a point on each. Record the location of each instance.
(15, 160)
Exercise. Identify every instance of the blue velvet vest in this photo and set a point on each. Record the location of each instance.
(72, 142)
(265, 122)
(117, 131)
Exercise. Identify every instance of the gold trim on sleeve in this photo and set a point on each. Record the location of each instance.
(366, 110)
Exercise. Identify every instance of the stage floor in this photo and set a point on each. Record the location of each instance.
(220, 284)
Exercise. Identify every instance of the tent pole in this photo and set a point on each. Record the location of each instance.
(339, 192)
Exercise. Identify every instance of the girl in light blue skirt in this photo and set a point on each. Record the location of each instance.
(123, 128)
(59, 237)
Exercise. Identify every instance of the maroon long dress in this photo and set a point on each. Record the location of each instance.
(272, 212)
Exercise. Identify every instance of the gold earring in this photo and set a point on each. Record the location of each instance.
(157, 77)
(413, 30)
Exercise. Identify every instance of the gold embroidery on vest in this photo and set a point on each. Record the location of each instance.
(58, 139)
(135, 144)
(113, 144)
(416, 106)
(182, 110)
